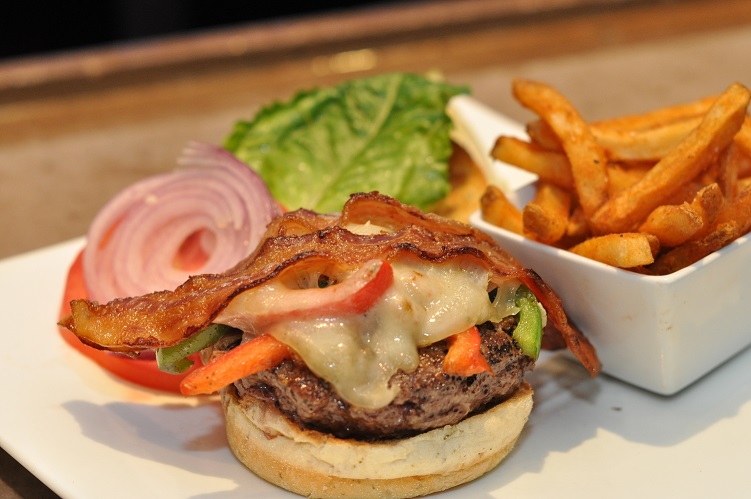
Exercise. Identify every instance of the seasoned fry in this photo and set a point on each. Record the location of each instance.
(659, 117)
(541, 134)
(651, 192)
(577, 228)
(550, 166)
(707, 204)
(738, 210)
(546, 216)
(672, 224)
(643, 145)
(689, 253)
(468, 182)
(498, 210)
(743, 137)
(727, 171)
(626, 250)
(588, 161)
(732, 221)
(621, 177)
(630, 207)
(744, 164)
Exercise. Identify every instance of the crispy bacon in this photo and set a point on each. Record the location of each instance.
(164, 318)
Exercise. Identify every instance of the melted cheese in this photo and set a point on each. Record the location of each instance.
(426, 303)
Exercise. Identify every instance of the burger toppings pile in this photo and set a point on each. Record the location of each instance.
(354, 298)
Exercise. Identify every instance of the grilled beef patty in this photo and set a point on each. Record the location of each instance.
(429, 398)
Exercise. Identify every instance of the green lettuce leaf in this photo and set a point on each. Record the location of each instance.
(388, 133)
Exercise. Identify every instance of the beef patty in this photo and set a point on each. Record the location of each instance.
(428, 397)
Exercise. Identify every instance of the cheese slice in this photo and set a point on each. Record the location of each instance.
(426, 303)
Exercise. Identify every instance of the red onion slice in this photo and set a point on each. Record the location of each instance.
(203, 217)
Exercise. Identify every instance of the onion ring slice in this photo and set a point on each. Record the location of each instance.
(202, 218)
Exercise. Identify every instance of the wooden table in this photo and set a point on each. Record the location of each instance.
(77, 127)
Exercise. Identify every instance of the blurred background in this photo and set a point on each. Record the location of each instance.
(96, 94)
(59, 26)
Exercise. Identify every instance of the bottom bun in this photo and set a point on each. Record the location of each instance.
(315, 464)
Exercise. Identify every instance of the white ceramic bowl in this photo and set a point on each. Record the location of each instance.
(660, 333)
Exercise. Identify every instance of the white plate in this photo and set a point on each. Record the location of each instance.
(88, 435)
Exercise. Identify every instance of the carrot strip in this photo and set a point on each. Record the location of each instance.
(247, 358)
(464, 357)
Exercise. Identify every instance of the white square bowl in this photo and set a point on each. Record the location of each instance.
(660, 333)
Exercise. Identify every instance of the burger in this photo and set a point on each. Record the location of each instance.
(376, 352)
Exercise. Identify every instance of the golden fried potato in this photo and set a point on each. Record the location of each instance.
(651, 192)
(660, 117)
(630, 207)
(672, 224)
(625, 250)
(546, 217)
(588, 161)
(643, 145)
(550, 166)
(691, 252)
(468, 183)
(543, 136)
(498, 210)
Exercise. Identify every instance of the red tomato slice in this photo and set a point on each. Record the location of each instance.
(143, 372)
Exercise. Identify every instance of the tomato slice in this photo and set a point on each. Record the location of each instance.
(142, 372)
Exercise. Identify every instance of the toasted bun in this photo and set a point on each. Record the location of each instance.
(315, 464)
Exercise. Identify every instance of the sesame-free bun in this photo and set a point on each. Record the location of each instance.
(314, 464)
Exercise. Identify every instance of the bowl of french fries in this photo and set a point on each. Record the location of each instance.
(640, 223)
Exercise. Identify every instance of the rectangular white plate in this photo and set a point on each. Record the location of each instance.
(88, 435)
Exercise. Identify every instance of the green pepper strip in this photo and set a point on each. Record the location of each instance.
(174, 359)
(528, 332)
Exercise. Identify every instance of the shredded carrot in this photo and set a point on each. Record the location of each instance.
(248, 358)
(464, 357)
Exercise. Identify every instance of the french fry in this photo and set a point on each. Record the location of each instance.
(742, 142)
(651, 192)
(588, 161)
(738, 210)
(546, 216)
(651, 144)
(688, 192)
(743, 137)
(707, 203)
(498, 210)
(629, 208)
(672, 224)
(577, 228)
(727, 171)
(625, 250)
(659, 117)
(550, 166)
(621, 177)
(541, 134)
(732, 221)
(744, 163)
(691, 252)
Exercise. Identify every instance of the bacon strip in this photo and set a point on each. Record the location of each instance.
(164, 318)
